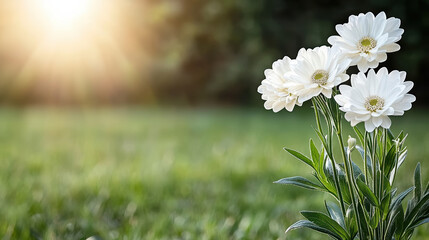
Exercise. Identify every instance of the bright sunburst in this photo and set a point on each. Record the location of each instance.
(74, 50)
(62, 14)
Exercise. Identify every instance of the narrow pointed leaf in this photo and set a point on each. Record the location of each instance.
(335, 213)
(402, 157)
(300, 182)
(326, 222)
(315, 156)
(329, 171)
(385, 203)
(417, 183)
(413, 213)
(300, 156)
(311, 225)
(364, 189)
(419, 223)
(390, 160)
(394, 223)
(368, 158)
(375, 219)
(364, 224)
(398, 199)
(390, 135)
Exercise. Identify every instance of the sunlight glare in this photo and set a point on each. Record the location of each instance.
(65, 13)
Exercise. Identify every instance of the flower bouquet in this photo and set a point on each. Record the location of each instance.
(367, 205)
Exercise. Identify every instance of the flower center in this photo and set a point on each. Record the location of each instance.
(366, 44)
(374, 103)
(320, 77)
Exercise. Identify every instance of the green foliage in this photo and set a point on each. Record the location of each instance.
(324, 221)
(370, 208)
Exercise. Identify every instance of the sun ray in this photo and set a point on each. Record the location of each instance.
(79, 49)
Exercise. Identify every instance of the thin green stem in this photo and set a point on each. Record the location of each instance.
(364, 158)
(316, 113)
(381, 192)
(374, 169)
(336, 180)
(349, 175)
(396, 162)
(374, 160)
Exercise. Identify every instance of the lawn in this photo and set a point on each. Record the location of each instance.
(163, 173)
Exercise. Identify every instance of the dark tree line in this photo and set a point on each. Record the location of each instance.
(215, 51)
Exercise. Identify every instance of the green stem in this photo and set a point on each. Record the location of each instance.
(380, 196)
(374, 161)
(349, 175)
(337, 182)
(374, 169)
(396, 162)
(364, 158)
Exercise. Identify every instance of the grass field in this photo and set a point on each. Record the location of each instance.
(163, 174)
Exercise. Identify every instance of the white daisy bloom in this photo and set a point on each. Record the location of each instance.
(372, 98)
(367, 39)
(316, 71)
(273, 87)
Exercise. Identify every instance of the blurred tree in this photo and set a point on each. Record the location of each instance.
(215, 51)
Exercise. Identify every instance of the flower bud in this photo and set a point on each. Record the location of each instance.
(352, 143)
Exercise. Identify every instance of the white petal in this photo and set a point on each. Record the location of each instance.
(369, 126)
(386, 122)
(392, 47)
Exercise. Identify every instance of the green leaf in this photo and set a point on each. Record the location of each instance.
(390, 135)
(402, 157)
(427, 188)
(357, 172)
(399, 222)
(401, 160)
(398, 199)
(390, 160)
(363, 216)
(413, 213)
(300, 156)
(419, 223)
(364, 189)
(329, 171)
(300, 182)
(308, 224)
(394, 222)
(322, 159)
(386, 186)
(375, 219)
(385, 203)
(335, 213)
(315, 156)
(417, 183)
(368, 158)
(350, 221)
(402, 137)
(326, 222)
(322, 139)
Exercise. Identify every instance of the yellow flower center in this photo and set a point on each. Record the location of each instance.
(320, 77)
(374, 103)
(366, 44)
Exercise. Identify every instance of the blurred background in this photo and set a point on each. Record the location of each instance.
(139, 119)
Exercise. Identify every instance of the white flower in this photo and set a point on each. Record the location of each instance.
(273, 87)
(316, 71)
(372, 98)
(366, 39)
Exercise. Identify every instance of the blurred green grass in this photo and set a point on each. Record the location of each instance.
(163, 173)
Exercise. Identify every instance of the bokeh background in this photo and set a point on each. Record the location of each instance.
(139, 119)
